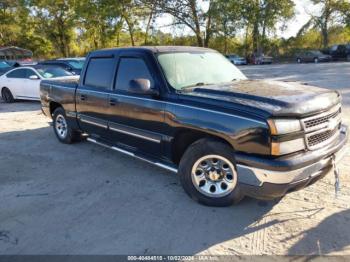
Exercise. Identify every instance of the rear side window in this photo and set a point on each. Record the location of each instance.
(99, 73)
(129, 69)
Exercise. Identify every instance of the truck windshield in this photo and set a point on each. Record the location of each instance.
(188, 69)
(76, 64)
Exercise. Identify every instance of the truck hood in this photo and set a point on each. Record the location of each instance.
(275, 97)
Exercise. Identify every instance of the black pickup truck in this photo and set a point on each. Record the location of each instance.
(190, 111)
(339, 52)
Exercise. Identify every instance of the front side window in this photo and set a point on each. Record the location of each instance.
(130, 69)
(19, 73)
(100, 72)
(188, 69)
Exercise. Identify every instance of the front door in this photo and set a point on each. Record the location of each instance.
(92, 96)
(21, 86)
(136, 121)
(32, 85)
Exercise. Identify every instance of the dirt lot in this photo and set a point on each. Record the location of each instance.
(84, 199)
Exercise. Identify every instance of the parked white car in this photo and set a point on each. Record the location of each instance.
(24, 82)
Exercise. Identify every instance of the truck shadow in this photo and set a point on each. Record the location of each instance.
(317, 240)
(84, 199)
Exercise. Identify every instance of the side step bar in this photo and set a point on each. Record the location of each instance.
(164, 166)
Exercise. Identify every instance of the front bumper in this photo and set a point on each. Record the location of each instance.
(286, 175)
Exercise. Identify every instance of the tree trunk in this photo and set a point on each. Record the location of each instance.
(246, 41)
(263, 38)
(148, 25)
(131, 31)
(256, 37)
(325, 37)
(208, 31)
(196, 23)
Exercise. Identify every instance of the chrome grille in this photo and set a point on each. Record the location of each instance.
(320, 138)
(323, 128)
(321, 120)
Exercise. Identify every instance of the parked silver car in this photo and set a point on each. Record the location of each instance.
(236, 59)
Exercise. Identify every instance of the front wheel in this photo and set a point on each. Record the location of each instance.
(63, 131)
(208, 173)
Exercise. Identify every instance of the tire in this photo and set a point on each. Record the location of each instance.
(64, 133)
(299, 61)
(316, 61)
(199, 158)
(7, 95)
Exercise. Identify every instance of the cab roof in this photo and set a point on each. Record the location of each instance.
(154, 49)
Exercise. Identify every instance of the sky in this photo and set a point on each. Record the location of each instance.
(303, 9)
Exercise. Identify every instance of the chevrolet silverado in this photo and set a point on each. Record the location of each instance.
(189, 110)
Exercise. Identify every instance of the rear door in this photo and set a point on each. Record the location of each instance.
(92, 95)
(136, 121)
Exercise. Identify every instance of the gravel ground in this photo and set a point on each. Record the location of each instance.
(84, 199)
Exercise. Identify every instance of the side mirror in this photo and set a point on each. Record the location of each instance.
(33, 77)
(142, 86)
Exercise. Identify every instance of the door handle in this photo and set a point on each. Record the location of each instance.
(113, 102)
(83, 97)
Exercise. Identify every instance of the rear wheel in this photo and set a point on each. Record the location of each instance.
(208, 173)
(7, 95)
(63, 131)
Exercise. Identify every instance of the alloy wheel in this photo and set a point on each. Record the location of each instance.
(61, 126)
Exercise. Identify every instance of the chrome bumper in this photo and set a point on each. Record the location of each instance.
(257, 176)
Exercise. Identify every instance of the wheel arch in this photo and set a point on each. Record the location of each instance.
(14, 95)
(53, 106)
(185, 137)
(5, 87)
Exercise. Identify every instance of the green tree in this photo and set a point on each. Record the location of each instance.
(57, 20)
(262, 16)
(98, 21)
(191, 14)
(332, 12)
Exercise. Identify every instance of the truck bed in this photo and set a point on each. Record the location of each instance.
(59, 90)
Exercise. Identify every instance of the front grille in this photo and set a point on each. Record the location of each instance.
(320, 138)
(314, 122)
(320, 120)
(323, 128)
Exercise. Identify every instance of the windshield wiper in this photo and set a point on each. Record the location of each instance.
(195, 85)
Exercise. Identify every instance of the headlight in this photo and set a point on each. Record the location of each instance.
(287, 147)
(284, 126)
